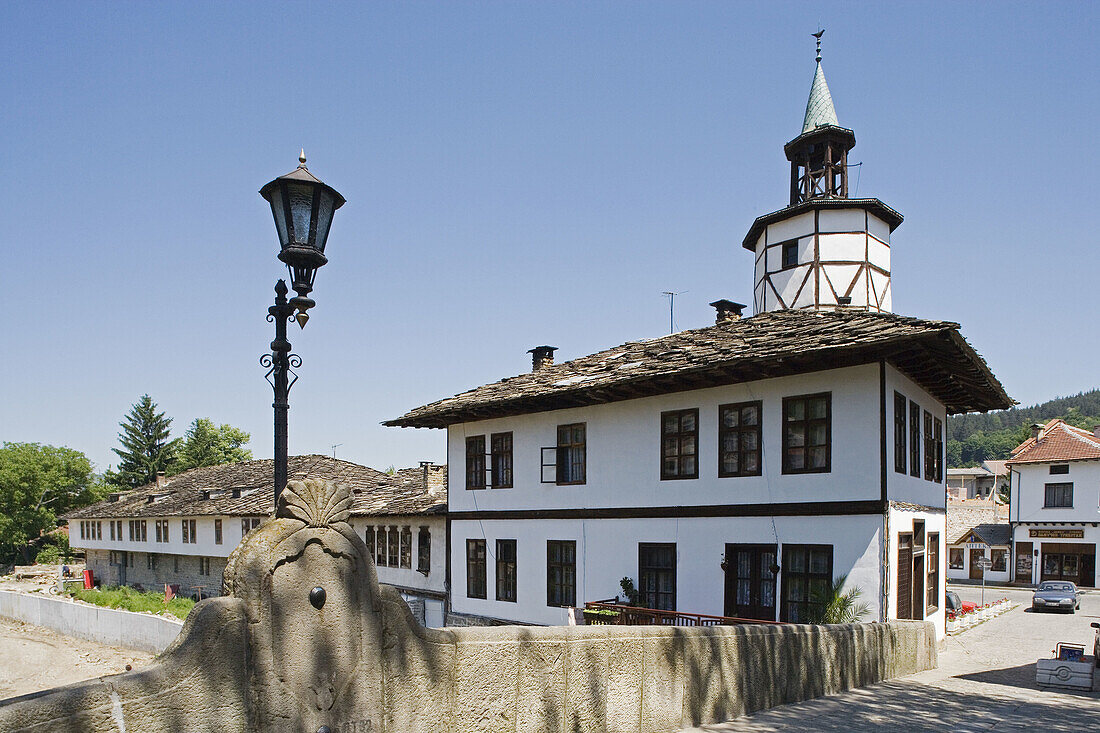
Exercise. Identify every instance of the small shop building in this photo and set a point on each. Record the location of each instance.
(989, 540)
(1055, 514)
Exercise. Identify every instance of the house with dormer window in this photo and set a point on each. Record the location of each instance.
(734, 469)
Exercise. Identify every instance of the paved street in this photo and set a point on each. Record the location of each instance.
(985, 681)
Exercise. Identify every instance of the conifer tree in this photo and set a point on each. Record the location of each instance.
(206, 444)
(146, 447)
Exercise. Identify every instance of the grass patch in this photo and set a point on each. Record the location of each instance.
(129, 599)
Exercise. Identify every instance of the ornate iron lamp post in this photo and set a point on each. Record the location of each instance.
(303, 207)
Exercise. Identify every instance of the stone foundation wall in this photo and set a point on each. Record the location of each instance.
(464, 620)
(163, 572)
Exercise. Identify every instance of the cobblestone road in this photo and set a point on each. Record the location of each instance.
(985, 681)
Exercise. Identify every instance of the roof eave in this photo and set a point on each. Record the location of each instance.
(735, 372)
(892, 217)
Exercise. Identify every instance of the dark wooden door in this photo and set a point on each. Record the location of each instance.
(1088, 570)
(975, 567)
(918, 587)
(750, 581)
(905, 575)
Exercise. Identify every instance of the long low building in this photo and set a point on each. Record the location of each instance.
(180, 530)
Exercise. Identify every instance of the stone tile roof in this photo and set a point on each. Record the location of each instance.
(932, 353)
(961, 519)
(246, 489)
(999, 533)
(1058, 441)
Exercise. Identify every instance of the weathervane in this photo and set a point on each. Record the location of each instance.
(818, 36)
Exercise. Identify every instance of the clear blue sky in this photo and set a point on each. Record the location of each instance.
(516, 174)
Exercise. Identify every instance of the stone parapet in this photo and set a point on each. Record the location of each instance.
(307, 640)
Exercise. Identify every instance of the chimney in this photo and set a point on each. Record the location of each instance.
(542, 357)
(433, 478)
(726, 311)
(1037, 431)
(1096, 431)
(161, 479)
(844, 300)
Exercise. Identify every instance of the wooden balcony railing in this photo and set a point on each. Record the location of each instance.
(613, 613)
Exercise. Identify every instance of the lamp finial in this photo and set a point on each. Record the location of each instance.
(302, 155)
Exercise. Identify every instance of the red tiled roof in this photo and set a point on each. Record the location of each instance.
(1058, 441)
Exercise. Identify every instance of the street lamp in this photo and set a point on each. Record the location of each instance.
(303, 207)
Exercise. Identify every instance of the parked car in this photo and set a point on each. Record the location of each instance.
(957, 605)
(1059, 595)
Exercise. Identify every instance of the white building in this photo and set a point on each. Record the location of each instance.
(735, 469)
(979, 483)
(1055, 507)
(975, 531)
(181, 530)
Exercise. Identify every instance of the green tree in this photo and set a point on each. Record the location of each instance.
(834, 605)
(146, 447)
(206, 444)
(37, 483)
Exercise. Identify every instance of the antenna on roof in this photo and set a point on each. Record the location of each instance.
(334, 447)
(671, 303)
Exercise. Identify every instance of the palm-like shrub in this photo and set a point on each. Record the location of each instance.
(836, 605)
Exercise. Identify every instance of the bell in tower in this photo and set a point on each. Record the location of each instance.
(819, 156)
(825, 251)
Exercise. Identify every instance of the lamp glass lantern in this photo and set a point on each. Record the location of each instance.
(302, 206)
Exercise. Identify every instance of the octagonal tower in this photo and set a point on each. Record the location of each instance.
(825, 250)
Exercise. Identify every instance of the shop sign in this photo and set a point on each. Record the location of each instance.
(1062, 534)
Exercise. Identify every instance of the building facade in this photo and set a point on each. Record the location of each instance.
(180, 531)
(736, 469)
(1055, 508)
(974, 533)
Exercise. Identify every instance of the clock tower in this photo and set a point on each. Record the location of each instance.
(824, 251)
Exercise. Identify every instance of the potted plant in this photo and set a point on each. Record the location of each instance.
(600, 616)
(630, 593)
(952, 622)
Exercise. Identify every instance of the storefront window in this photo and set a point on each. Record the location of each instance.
(955, 558)
(1000, 561)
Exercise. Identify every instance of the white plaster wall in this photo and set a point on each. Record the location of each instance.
(607, 550)
(843, 246)
(900, 521)
(411, 577)
(788, 282)
(796, 226)
(842, 220)
(878, 229)
(204, 529)
(878, 253)
(903, 487)
(1029, 492)
(624, 452)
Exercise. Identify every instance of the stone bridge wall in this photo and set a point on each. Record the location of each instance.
(278, 654)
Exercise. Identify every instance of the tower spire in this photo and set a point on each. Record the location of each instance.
(819, 107)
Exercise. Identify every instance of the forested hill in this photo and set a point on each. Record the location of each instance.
(972, 439)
